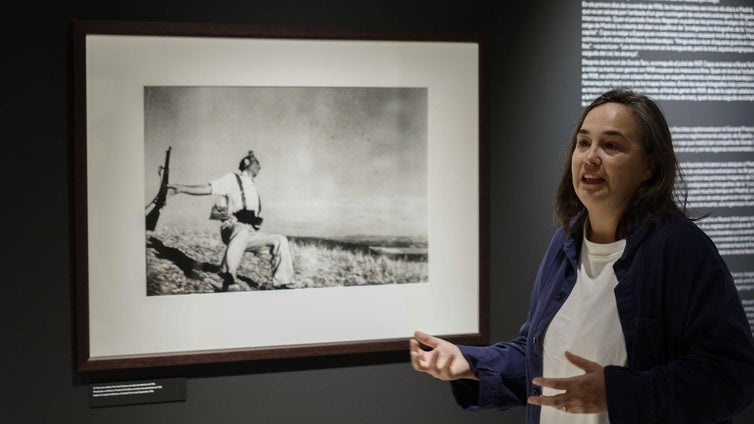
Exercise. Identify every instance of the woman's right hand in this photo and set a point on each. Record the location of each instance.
(444, 361)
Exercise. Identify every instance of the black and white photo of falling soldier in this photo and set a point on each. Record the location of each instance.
(343, 190)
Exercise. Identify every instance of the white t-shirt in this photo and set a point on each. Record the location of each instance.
(587, 325)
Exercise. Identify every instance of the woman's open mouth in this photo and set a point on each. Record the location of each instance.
(592, 179)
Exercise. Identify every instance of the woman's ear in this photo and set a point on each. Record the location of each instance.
(650, 170)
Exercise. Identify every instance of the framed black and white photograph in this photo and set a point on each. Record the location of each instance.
(259, 193)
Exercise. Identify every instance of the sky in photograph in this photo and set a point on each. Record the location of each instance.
(335, 161)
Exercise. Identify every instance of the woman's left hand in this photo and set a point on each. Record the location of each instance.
(584, 394)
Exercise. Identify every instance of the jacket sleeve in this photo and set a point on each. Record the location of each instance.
(694, 361)
(501, 369)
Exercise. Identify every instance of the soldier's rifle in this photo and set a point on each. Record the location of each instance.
(160, 199)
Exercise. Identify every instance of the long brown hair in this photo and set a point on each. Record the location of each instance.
(663, 194)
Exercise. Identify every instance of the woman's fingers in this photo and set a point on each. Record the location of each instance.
(443, 360)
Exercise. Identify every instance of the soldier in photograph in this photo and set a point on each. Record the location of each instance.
(240, 222)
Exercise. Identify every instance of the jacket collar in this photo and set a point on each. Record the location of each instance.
(572, 244)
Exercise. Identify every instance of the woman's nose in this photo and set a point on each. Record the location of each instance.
(593, 156)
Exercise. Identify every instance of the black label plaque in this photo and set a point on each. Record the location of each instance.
(136, 392)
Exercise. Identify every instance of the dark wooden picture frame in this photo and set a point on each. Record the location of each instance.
(96, 248)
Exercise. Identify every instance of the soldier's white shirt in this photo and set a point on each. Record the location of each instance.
(227, 186)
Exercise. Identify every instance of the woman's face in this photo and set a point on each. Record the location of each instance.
(608, 163)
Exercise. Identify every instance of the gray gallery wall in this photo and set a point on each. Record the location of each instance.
(533, 93)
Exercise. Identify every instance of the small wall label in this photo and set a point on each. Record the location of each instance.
(136, 392)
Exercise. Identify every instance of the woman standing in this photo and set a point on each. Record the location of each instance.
(634, 317)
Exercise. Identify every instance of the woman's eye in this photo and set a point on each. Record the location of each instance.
(582, 143)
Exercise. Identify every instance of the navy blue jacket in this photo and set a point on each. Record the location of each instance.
(689, 343)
